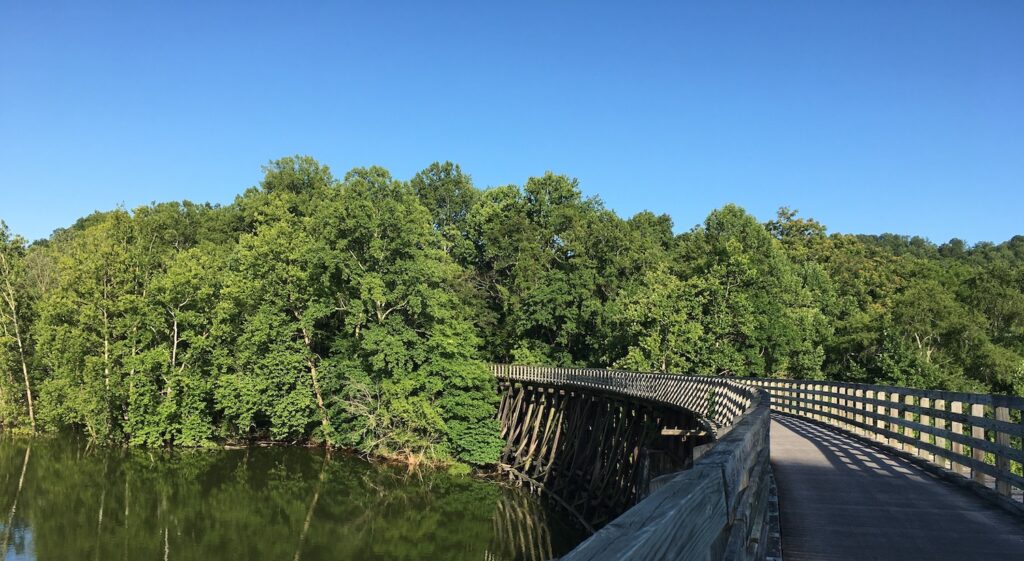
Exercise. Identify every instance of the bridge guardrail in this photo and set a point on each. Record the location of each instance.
(720, 400)
(978, 436)
(717, 509)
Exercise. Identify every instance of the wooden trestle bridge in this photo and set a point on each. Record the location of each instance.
(681, 467)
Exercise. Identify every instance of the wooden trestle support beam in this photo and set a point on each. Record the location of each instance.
(593, 452)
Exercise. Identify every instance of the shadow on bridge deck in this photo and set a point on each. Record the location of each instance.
(842, 499)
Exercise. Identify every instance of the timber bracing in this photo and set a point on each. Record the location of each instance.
(593, 444)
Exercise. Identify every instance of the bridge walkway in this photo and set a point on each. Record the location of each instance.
(841, 499)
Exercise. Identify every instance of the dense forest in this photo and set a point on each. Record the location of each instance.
(362, 312)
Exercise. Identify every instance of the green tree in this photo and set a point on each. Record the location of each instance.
(87, 327)
(269, 324)
(661, 318)
(16, 301)
(407, 375)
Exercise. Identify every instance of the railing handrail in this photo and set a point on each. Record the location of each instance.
(686, 392)
(1000, 400)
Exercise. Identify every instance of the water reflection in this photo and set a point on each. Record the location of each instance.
(61, 499)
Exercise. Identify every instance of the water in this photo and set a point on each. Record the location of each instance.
(61, 499)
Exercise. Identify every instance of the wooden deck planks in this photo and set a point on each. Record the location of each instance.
(842, 499)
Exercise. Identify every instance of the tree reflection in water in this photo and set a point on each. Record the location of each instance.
(63, 499)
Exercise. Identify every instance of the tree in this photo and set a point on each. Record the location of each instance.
(15, 302)
(408, 377)
(661, 318)
(89, 325)
(448, 194)
(276, 296)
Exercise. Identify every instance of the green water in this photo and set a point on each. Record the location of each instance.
(61, 499)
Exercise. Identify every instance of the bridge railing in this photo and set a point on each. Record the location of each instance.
(978, 436)
(719, 400)
(716, 510)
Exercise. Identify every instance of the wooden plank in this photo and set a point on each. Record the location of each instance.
(833, 400)
(909, 416)
(894, 442)
(858, 396)
(877, 411)
(977, 410)
(926, 437)
(940, 441)
(957, 447)
(1002, 461)
(682, 520)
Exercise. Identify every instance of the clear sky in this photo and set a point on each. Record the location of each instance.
(871, 116)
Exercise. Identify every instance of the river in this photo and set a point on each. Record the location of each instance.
(62, 499)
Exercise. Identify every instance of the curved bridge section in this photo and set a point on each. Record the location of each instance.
(678, 464)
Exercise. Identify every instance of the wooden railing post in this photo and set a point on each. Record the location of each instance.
(818, 406)
(894, 414)
(844, 404)
(858, 395)
(940, 441)
(804, 402)
(882, 413)
(926, 420)
(841, 407)
(833, 411)
(1002, 462)
(978, 432)
(957, 407)
(908, 415)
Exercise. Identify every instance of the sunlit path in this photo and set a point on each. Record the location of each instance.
(841, 499)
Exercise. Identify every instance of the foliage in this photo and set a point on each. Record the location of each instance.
(362, 311)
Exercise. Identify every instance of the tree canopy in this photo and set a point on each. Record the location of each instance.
(362, 311)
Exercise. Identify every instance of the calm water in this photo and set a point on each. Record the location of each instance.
(63, 500)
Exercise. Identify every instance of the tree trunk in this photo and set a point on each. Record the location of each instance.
(12, 305)
(311, 361)
(24, 373)
(174, 344)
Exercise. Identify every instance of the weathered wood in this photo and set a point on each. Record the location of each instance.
(713, 511)
(926, 436)
(957, 447)
(940, 441)
(1002, 461)
(909, 425)
(977, 450)
(590, 444)
(893, 441)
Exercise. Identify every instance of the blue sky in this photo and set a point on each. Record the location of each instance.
(872, 117)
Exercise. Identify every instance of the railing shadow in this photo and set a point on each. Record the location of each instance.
(846, 454)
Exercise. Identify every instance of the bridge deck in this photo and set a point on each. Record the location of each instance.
(841, 499)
